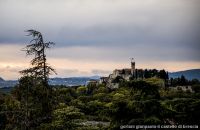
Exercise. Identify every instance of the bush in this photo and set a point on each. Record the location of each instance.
(196, 88)
(81, 90)
(68, 118)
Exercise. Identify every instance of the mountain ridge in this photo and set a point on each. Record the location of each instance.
(1, 79)
(189, 74)
(73, 81)
(69, 81)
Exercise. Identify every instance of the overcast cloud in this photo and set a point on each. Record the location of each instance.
(105, 31)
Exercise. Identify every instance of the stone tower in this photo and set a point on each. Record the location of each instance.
(133, 67)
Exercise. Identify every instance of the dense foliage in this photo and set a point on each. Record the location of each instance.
(99, 107)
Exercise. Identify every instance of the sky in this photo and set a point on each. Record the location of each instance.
(94, 37)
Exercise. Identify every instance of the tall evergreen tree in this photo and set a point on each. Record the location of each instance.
(37, 47)
(33, 90)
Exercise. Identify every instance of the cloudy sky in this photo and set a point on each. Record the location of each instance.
(93, 37)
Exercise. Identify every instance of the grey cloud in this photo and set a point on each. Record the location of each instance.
(159, 30)
(9, 72)
(100, 72)
(10, 69)
(69, 71)
(122, 54)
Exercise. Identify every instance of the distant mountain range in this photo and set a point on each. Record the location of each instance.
(71, 81)
(7, 83)
(74, 81)
(189, 74)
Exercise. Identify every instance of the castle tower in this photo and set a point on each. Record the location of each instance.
(133, 67)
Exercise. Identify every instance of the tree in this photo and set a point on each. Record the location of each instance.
(146, 74)
(37, 47)
(196, 88)
(163, 74)
(33, 90)
(117, 79)
(183, 80)
(81, 90)
(67, 118)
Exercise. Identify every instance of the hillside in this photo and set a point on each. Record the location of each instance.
(189, 74)
(71, 81)
(1, 79)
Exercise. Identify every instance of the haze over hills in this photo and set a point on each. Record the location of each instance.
(189, 74)
(7, 83)
(73, 81)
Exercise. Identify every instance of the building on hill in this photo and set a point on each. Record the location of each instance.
(92, 82)
(103, 80)
(132, 73)
(126, 74)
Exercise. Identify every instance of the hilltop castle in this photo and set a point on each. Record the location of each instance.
(126, 74)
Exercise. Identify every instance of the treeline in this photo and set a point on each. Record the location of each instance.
(149, 73)
(99, 107)
(182, 81)
(162, 74)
